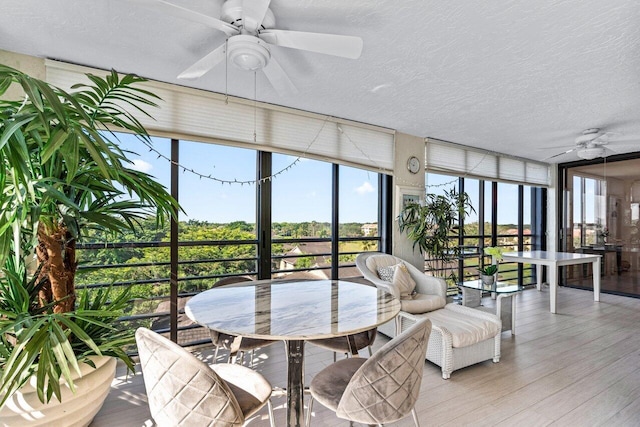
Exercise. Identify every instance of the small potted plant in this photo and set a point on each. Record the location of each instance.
(488, 274)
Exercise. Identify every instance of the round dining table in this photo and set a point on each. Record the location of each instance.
(293, 311)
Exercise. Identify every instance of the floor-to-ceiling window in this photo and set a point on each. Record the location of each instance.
(600, 202)
(301, 218)
(503, 216)
(359, 213)
(244, 212)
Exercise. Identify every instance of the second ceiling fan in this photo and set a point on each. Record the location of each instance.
(249, 26)
(589, 145)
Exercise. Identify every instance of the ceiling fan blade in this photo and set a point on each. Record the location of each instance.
(563, 153)
(278, 78)
(329, 44)
(205, 64)
(253, 13)
(190, 15)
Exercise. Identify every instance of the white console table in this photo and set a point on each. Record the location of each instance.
(553, 260)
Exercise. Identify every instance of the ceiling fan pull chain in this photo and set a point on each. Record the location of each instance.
(255, 106)
(226, 72)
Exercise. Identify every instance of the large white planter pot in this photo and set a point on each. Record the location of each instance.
(24, 408)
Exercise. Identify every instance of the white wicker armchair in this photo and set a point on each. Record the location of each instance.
(425, 284)
(461, 336)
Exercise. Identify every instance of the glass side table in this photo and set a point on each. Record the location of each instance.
(505, 293)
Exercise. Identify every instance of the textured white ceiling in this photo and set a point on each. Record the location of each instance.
(519, 77)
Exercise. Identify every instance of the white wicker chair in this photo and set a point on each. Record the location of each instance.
(425, 284)
(448, 321)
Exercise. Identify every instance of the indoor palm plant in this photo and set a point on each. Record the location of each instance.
(435, 228)
(61, 172)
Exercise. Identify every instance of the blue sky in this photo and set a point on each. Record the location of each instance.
(300, 193)
(507, 203)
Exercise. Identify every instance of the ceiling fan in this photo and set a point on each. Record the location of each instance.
(589, 145)
(249, 27)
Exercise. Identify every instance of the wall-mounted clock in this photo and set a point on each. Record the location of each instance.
(413, 164)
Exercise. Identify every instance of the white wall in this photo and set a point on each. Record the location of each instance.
(27, 64)
(406, 182)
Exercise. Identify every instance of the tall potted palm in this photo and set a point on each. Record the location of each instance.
(434, 227)
(61, 173)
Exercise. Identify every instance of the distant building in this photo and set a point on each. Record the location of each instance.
(369, 229)
(320, 252)
(320, 268)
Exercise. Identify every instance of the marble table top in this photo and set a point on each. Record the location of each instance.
(293, 310)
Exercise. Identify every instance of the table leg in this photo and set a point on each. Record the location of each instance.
(539, 276)
(596, 280)
(513, 313)
(553, 287)
(295, 383)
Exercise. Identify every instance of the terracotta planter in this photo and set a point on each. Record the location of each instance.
(25, 409)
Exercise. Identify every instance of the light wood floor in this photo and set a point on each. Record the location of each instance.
(580, 367)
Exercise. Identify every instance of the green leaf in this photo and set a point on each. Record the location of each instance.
(58, 138)
(11, 127)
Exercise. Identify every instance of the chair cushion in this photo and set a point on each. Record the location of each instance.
(465, 330)
(250, 388)
(328, 386)
(421, 303)
(403, 281)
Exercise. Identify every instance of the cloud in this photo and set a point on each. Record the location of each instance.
(141, 165)
(365, 188)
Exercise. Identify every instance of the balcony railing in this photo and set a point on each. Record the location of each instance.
(151, 278)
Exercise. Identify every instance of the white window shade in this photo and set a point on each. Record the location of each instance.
(211, 117)
(447, 157)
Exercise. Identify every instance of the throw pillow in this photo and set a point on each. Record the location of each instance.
(386, 273)
(404, 282)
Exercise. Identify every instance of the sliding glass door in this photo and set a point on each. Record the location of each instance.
(601, 215)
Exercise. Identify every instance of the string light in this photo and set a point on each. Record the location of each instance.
(360, 149)
(213, 178)
(242, 182)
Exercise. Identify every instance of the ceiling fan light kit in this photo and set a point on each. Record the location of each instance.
(590, 153)
(248, 53)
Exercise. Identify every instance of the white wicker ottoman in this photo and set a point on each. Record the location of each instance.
(460, 336)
